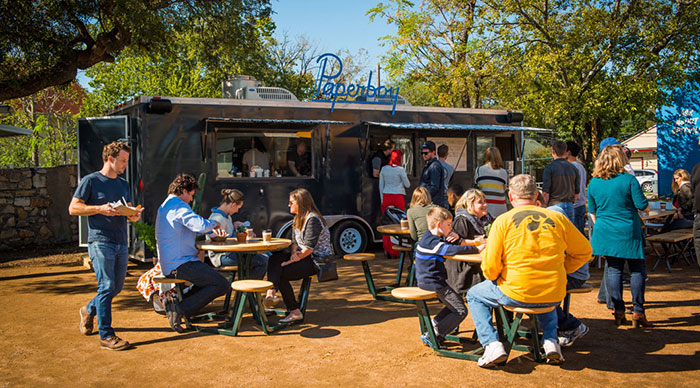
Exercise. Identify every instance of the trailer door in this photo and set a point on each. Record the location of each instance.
(93, 134)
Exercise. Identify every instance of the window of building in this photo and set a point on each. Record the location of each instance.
(247, 153)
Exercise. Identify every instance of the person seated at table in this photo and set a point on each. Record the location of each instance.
(454, 192)
(528, 254)
(469, 223)
(431, 274)
(176, 228)
(256, 156)
(311, 240)
(420, 205)
(682, 201)
(231, 203)
(298, 161)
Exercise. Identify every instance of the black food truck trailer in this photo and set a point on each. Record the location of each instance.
(171, 135)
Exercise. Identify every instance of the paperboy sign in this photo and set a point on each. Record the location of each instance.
(327, 90)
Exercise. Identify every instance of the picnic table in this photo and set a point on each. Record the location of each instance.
(467, 257)
(405, 241)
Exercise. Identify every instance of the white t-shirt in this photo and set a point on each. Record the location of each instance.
(254, 157)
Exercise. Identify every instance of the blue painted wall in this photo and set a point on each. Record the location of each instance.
(678, 129)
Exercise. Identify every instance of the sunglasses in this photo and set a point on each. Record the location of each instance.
(425, 152)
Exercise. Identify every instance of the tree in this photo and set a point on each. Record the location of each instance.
(51, 114)
(45, 43)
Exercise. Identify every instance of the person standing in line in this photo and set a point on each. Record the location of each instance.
(176, 228)
(695, 190)
(393, 183)
(442, 152)
(561, 182)
(492, 179)
(374, 168)
(107, 239)
(572, 152)
(433, 177)
(614, 200)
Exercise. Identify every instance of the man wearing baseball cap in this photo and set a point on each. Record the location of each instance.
(432, 177)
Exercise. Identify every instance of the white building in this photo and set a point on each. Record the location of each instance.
(643, 147)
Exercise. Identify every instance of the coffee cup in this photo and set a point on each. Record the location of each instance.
(663, 205)
(249, 233)
(404, 224)
(267, 235)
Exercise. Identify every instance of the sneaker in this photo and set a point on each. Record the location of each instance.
(552, 352)
(292, 318)
(271, 301)
(114, 343)
(174, 318)
(568, 337)
(426, 341)
(87, 321)
(494, 354)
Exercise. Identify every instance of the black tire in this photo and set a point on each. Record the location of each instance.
(349, 237)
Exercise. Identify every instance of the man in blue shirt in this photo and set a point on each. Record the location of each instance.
(107, 239)
(433, 177)
(176, 228)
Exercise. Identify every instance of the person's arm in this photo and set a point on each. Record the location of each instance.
(412, 225)
(546, 183)
(404, 178)
(382, 173)
(638, 197)
(193, 221)
(310, 235)
(293, 167)
(376, 166)
(78, 207)
(492, 256)
(435, 180)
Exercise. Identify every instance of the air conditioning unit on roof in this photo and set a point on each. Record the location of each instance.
(245, 87)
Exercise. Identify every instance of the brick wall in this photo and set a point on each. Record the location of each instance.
(34, 206)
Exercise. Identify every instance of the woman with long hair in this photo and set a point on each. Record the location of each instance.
(231, 202)
(682, 201)
(614, 200)
(470, 222)
(310, 239)
(393, 182)
(492, 179)
(421, 203)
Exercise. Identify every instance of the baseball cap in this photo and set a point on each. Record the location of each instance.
(429, 145)
(608, 141)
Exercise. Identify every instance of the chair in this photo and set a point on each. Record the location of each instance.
(248, 289)
(511, 329)
(179, 283)
(586, 288)
(403, 253)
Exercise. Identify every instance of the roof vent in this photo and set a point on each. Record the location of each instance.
(245, 87)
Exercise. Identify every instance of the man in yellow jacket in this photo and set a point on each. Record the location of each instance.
(528, 254)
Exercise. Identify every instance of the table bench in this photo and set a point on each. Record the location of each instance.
(674, 243)
(179, 283)
(376, 293)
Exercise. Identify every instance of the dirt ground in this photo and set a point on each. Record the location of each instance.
(348, 339)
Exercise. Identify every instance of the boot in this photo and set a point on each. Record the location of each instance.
(620, 318)
(640, 319)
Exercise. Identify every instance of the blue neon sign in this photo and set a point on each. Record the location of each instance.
(327, 90)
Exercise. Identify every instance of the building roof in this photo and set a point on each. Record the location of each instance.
(644, 141)
(8, 130)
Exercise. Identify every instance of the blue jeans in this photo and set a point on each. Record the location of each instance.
(566, 321)
(565, 208)
(580, 219)
(258, 264)
(109, 262)
(638, 271)
(209, 285)
(485, 296)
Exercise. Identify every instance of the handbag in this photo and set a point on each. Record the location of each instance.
(326, 268)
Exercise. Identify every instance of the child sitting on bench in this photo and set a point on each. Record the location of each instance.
(432, 276)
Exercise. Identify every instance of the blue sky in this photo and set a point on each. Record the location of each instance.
(331, 24)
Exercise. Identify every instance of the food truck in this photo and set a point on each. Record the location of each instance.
(247, 142)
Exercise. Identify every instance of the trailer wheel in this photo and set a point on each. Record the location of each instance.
(349, 237)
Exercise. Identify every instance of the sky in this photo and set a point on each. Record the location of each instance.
(331, 24)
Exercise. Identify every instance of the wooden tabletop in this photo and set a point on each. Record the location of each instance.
(466, 257)
(656, 213)
(257, 245)
(393, 229)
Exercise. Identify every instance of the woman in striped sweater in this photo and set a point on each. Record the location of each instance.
(492, 179)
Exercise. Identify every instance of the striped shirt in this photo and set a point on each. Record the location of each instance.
(493, 183)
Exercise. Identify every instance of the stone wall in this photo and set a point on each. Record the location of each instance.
(34, 206)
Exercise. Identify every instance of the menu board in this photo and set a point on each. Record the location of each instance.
(457, 151)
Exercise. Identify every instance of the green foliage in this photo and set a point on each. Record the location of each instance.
(147, 233)
(241, 228)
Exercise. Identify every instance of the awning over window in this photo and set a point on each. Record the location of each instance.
(454, 127)
(8, 130)
(270, 123)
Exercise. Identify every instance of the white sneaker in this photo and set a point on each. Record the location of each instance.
(552, 352)
(494, 353)
(568, 337)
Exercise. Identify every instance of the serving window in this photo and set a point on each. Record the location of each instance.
(250, 153)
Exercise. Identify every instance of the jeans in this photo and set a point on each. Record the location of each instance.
(566, 321)
(696, 237)
(485, 296)
(452, 314)
(638, 271)
(679, 223)
(258, 264)
(110, 262)
(565, 208)
(603, 294)
(280, 276)
(209, 285)
(579, 219)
